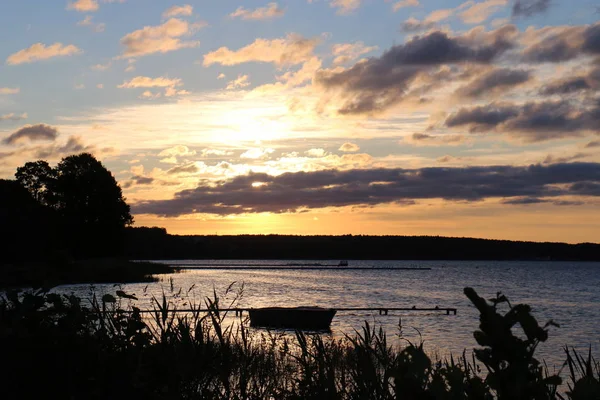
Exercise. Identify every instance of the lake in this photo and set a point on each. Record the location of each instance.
(566, 292)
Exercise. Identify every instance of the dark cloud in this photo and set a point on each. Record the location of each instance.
(533, 121)
(550, 159)
(536, 200)
(588, 81)
(591, 37)
(32, 133)
(482, 118)
(524, 201)
(558, 44)
(595, 143)
(567, 203)
(184, 169)
(565, 86)
(421, 136)
(527, 8)
(74, 145)
(414, 25)
(494, 81)
(293, 192)
(380, 82)
(138, 180)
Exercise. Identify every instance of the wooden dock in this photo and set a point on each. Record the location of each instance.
(380, 310)
(264, 267)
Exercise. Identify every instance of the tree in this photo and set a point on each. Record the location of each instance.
(36, 176)
(85, 193)
(86, 199)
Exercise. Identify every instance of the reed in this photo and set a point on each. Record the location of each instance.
(57, 346)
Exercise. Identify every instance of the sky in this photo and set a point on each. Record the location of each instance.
(384, 117)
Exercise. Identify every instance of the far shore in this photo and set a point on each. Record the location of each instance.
(53, 273)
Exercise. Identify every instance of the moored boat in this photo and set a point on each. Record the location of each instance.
(304, 318)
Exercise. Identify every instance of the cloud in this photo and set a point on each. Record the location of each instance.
(425, 139)
(158, 39)
(13, 117)
(480, 12)
(492, 82)
(528, 8)
(241, 82)
(171, 91)
(349, 147)
(272, 10)
(566, 86)
(414, 25)
(148, 95)
(552, 159)
(215, 152)
(345, 6)
(316, 152)
(88, 21)
(137, 180)
(177, 151)
(73, 145)
(405, 3)
(174, 11)
(189, 168)
(101, 67)
(291, 50)
(32, 133)
(40, 51)
(297, 191)
(83, 5)
(346, 52)
(378, 83)
(147, 82)
(593, 144)
(256, 153)
(7, 90)
(532, 121)
(561, 43)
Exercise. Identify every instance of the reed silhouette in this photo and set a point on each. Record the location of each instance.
(107, 349)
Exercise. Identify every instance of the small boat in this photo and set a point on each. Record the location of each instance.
(343, 263)
(303, 318)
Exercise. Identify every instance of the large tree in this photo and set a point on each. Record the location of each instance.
(86, 198)
(36, 176)
(86, 193)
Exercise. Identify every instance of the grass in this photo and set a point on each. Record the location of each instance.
(57, 346)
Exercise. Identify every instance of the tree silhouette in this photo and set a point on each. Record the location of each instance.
(86, 199)
(85, 193)
(36, 176)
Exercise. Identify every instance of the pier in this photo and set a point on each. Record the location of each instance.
(380, 310)
(272, 267)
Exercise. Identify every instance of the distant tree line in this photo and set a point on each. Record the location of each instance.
(156, 243)
(75, 209)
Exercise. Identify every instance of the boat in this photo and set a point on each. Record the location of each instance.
(302, 318)
(343, 263)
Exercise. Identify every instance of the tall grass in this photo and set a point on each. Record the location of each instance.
(54, 346)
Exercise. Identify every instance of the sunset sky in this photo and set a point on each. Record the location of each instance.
(474, 118)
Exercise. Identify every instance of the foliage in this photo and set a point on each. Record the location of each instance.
(108, 350)
(88, 207)
(36, 177)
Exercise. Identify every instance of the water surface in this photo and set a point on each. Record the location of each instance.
(566, 292)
